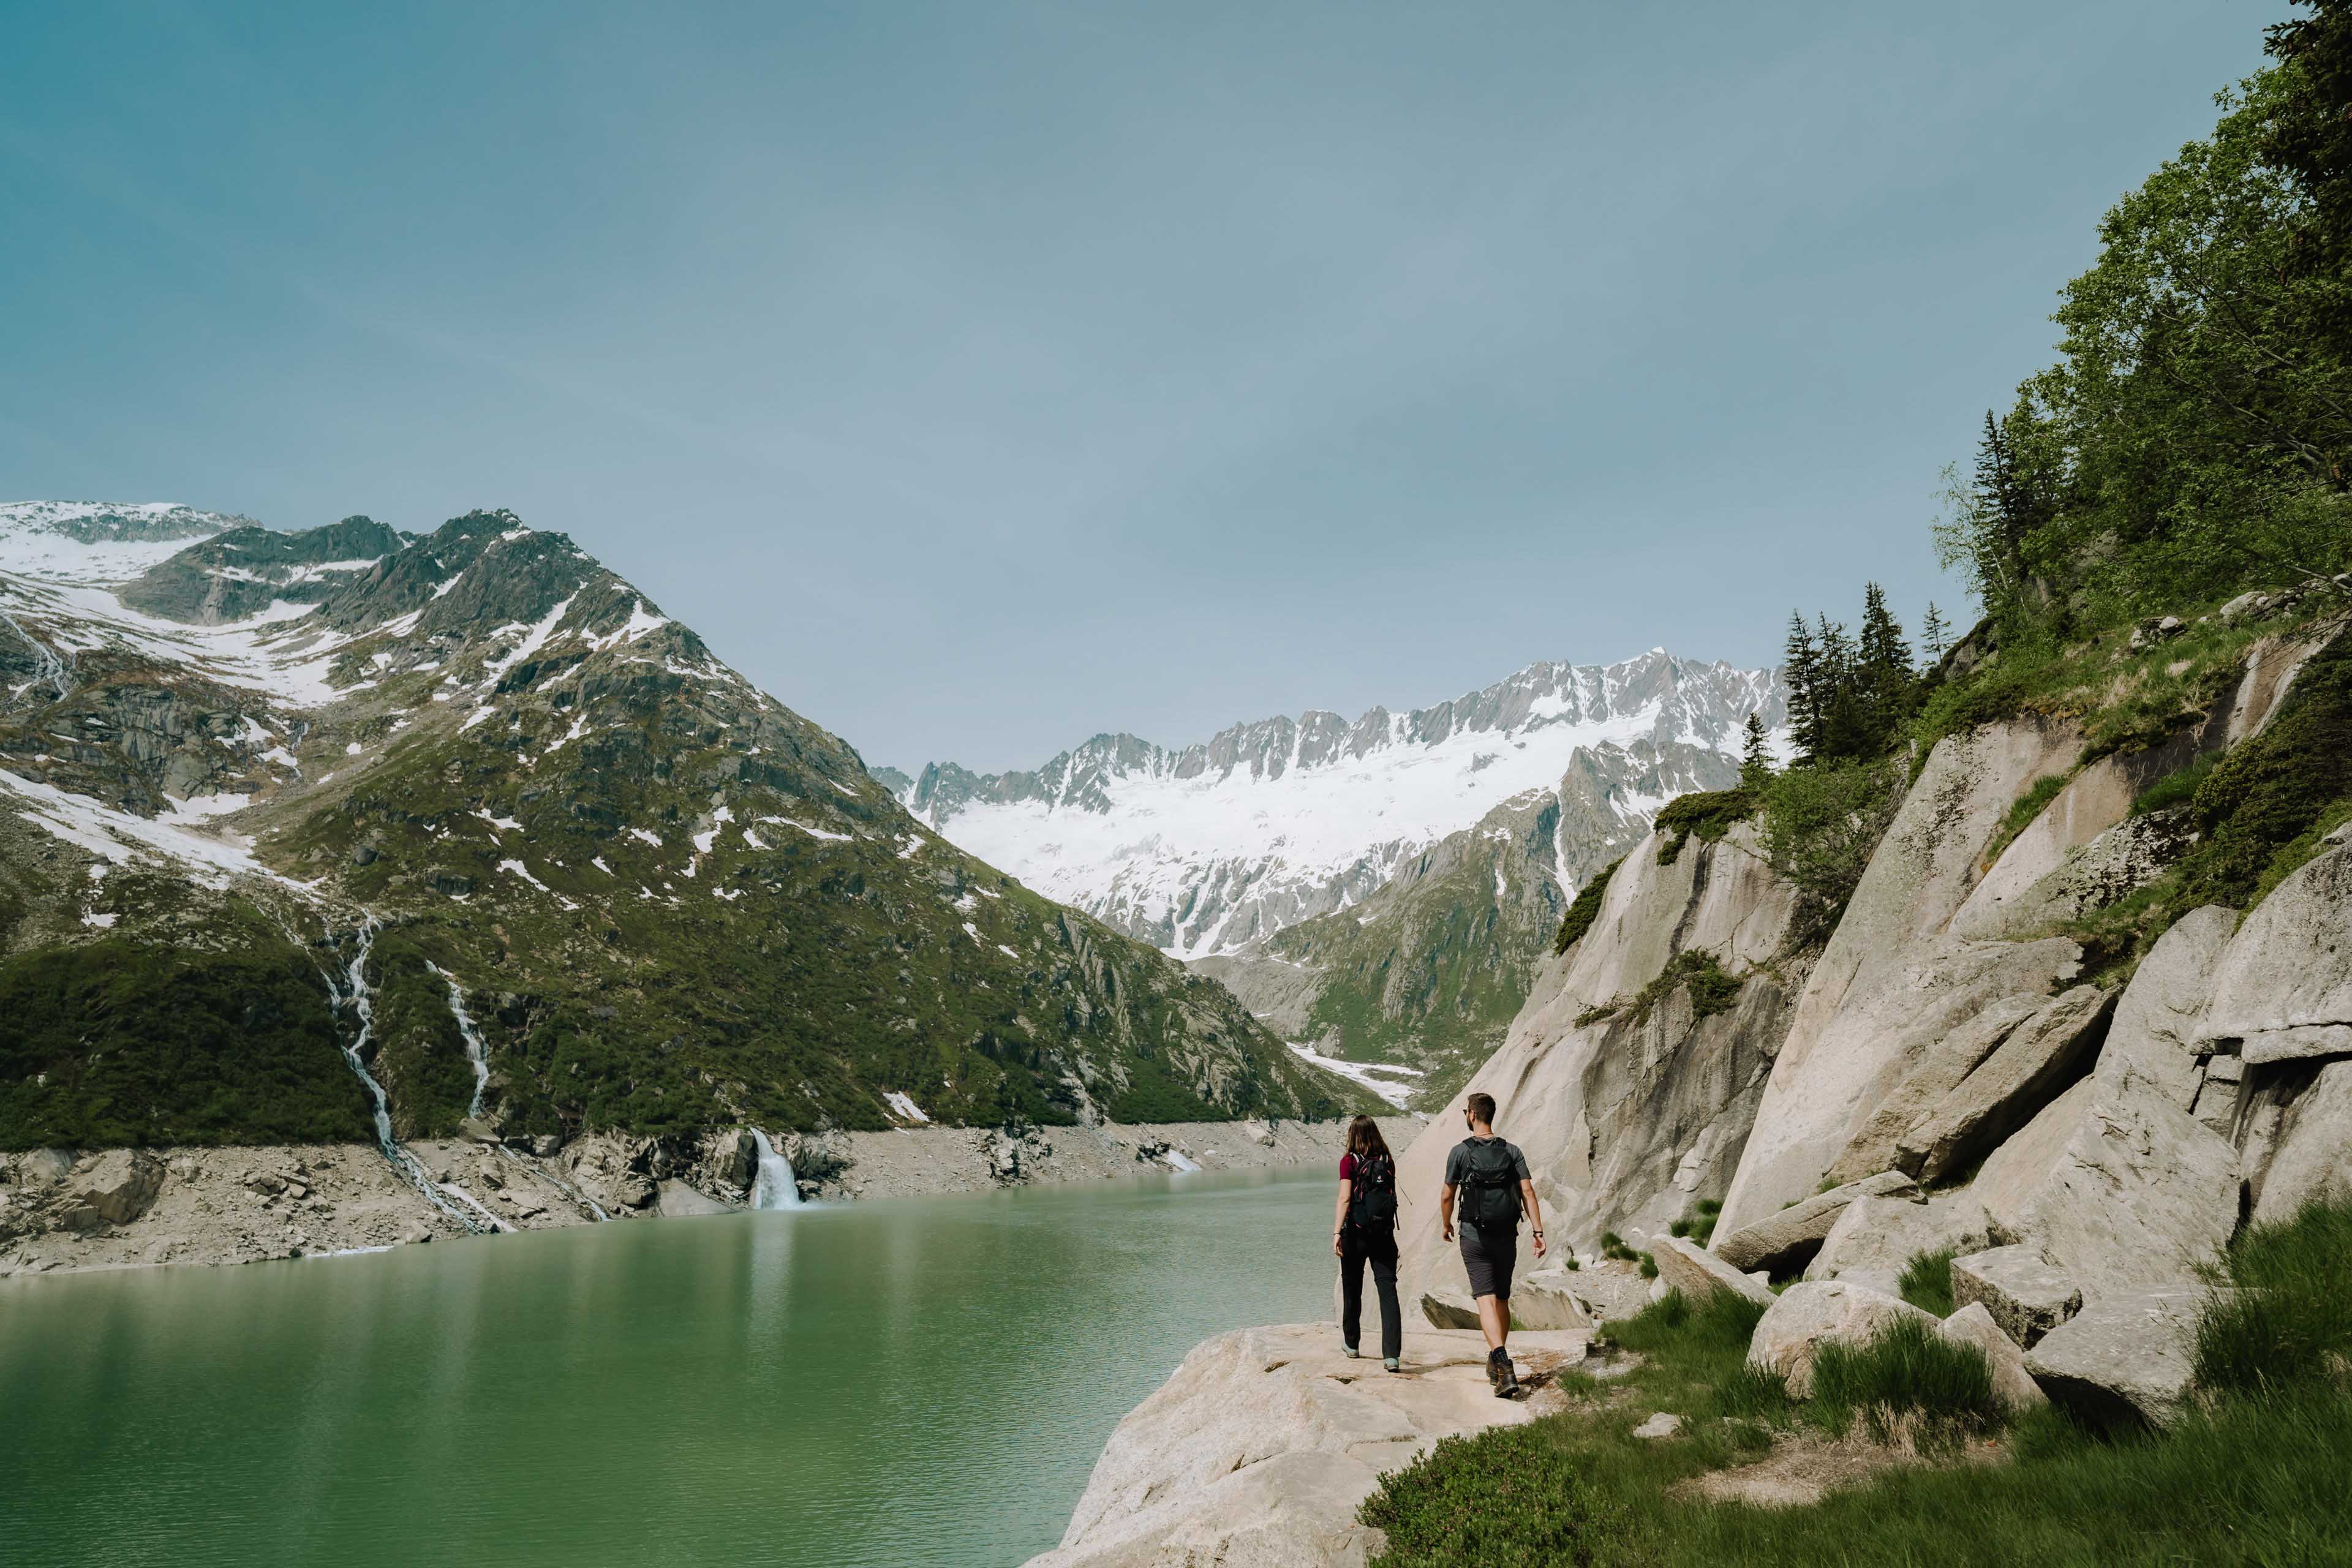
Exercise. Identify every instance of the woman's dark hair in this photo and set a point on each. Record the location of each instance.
(1364, 1139)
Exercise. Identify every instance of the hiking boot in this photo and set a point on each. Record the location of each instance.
(1507, 1376)
(1347, 1351)
(1391, 1362)
(1496, 1362)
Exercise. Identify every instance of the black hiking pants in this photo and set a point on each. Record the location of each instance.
(1379, 1248)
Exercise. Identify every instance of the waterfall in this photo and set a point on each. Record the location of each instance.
(53, 671)
(478, 1050)
(356, 992)
(773, 1187)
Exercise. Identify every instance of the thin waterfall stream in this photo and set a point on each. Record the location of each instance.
(356, 993)
(478, 1050)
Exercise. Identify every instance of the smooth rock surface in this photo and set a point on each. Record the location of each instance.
(679, 1201)
(2158, 1021)
(1944, 1059)
(1698, 1274)
(2028, 1070)
(2128, 1359)
(1259, 1449)
(2140, 1196)
(1546, 1300)
(2312, 1150)
(2005, 1184)
(2284, 985)
(2013, 1384)
(1815, 1312)
(1665, 1424)
(2027, 1295)
(1784, 1240)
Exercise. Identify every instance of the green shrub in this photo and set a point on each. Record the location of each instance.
(2287, 1316)
(2257, 806)
(1821, 825)
(1926, 1281)
(1709, 814)
(2178, 788)
(1697, 1223)
(1585, 907)
(1649, 1267)
(1613, 1245)
(1510, 1499)
(1711, 989)
(1908, 1368)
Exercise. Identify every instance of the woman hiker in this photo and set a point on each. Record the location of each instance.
(1496, 1190)
(1363, 1230)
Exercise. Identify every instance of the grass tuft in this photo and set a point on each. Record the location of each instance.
(1907, 1379)
(1926, 1281)
(2287, 1319)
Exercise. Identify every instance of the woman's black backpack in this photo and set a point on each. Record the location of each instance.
(1371, 1193)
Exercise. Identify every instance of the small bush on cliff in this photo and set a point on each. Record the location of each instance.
(1709, 815)
(1821, 825)
(1585, 909)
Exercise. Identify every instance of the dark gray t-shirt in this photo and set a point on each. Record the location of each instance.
(1457, 1163)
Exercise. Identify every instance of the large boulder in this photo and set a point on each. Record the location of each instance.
(1699, 1273)
(2013, 1384)
(2025, 1073)
(2005, 1184)
(44, 1167)
(679, 1201)
(2154, 1038)
(2311, 1153)
(1944, 1063)
(1880, 1236)
(2283, 988)
(2140, 1196)
(2025, 1294)
(2122, 1361)
(1813, 1313)
(1546, 1300)
(1449, 1310)
(1892, 958)
(120, 1185)
(1781, 1241)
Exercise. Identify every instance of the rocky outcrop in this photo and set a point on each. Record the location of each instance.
(1892, 959)
(2156, 1036)
(2024, 1073)
(1812, 1313)
(2284, 990)
(1791, 1236)
(1259, 1449)
(1631, 1099)
(2312, 1154)
(1878, 1237)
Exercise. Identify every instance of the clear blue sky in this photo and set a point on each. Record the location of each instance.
(976, 377)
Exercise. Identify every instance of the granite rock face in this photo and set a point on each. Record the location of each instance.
(2283, 989)
(2025, 1294)
(2007, 1087)
(1698, 1274)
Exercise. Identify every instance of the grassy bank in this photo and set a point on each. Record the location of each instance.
(2253, 1475)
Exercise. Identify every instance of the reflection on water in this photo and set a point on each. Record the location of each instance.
(914, 1381)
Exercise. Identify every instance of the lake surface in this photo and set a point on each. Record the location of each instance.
(923, 1381)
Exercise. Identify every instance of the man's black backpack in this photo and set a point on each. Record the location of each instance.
(1490, 1184)
(1371, 1193)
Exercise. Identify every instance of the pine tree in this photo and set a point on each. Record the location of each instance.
(1883, 673)
(1801, 667)
(1842, 716)
(1932, 635)
(1755, 755)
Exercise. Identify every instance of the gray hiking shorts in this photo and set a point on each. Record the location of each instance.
(1490, 1256)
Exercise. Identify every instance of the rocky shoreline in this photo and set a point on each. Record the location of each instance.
(64, 1211)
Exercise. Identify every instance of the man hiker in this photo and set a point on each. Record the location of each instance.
(1492, 1176)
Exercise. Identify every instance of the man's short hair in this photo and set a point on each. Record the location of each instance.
(1480, 1107)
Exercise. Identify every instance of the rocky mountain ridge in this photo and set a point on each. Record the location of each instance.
(302, 826)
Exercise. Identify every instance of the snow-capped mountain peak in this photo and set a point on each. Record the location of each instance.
(1205, 848)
